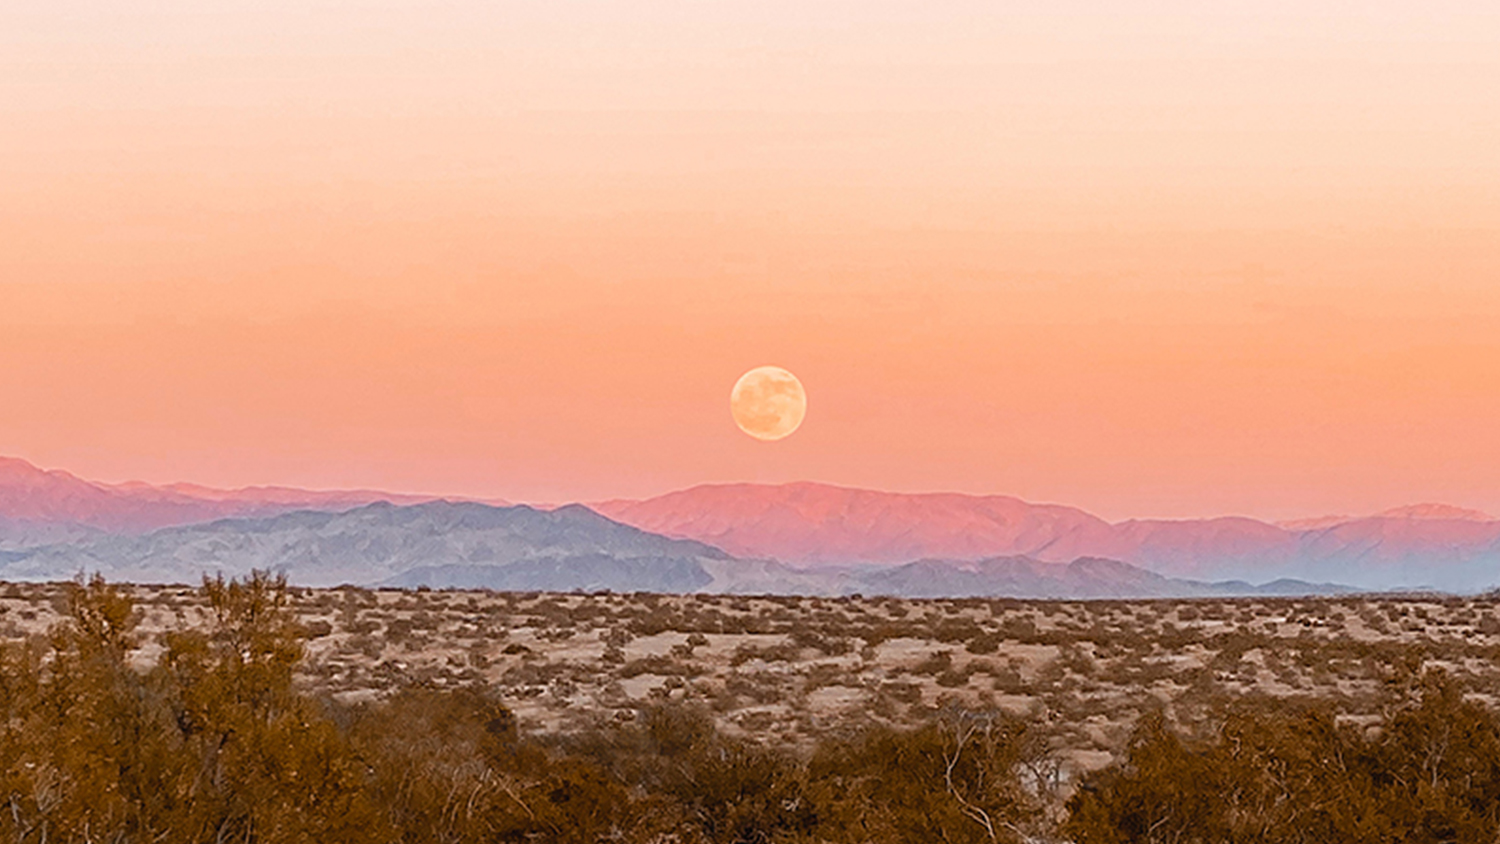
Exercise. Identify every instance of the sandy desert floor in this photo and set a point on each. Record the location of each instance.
(786, 671)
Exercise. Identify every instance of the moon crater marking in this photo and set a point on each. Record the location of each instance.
(768, 403)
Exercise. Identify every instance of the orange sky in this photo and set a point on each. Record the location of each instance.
(1172, 261)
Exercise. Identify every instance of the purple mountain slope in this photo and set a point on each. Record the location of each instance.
(809, 524)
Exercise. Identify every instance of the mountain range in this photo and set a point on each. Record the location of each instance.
(739, 537)
(469, 545)
(434, 543)
(810, 524)
(39, 506)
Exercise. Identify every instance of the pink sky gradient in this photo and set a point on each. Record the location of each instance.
(1172, 260)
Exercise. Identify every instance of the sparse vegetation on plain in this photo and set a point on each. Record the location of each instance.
(253, 711)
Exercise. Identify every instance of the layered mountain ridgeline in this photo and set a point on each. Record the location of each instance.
(51, 519)
(438, 543)
(40, 506)
(809, 524)
(474, 546)
(1086, 577)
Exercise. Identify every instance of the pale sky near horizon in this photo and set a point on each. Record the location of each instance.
(1150, 259)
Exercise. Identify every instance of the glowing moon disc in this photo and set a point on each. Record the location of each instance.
(768, 403)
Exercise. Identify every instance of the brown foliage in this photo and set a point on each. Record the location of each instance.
(954, 780)
(210, 745)
(216, 742)
(1430, 774)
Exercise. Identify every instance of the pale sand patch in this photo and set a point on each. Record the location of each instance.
(831, 699)
(639, 686)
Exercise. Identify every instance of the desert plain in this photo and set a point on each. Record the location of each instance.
(787, 672)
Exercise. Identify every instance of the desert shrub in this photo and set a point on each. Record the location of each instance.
(784, 652)
(1019, 629)
(1008, 680)
(736, 793)
(954, 780)
(952, 679)
(983, 643)
(556, 634)
(1273, 774)
(874, 634)
(537, 673)
(698, 783)
(1161, 793)
(819, 676)
(660, 665)
(317, 629)
(936, 663)
(953, 631)
(616, 637)
(363, 627)
(758, 690)
(367, 645)
(909, 693)
(1077, 661)
(449, 766)
(211, 744)
(803, 637)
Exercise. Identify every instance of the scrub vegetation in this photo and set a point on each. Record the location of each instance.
(250, 711)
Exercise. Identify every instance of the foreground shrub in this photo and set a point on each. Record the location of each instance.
(212, 744)
(215, 743)
(951, 781)
(1431, 774)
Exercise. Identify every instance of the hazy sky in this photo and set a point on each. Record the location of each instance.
(1155, 258)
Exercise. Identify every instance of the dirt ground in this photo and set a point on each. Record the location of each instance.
(785, 671)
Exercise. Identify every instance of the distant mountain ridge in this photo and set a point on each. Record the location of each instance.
(369, 545)
(39, 506)
(816, 524)
(810, 524)
(467, 545)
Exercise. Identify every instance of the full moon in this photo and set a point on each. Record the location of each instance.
(768, 403)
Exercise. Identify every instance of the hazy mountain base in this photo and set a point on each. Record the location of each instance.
(475, 546)
(36, 504)
(803, 525)
(811, 524)
(372, 544)
(19, 534)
